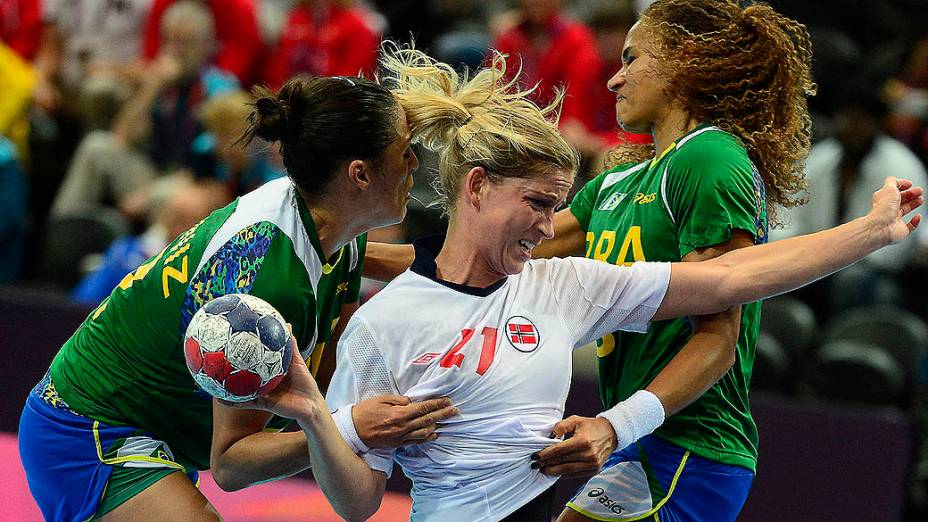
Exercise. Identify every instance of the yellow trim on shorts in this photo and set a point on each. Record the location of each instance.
(128, 458)
(653, 511)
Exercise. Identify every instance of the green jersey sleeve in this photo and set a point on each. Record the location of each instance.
(584, 202)
(712, 190)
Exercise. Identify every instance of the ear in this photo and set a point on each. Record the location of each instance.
(359, 172)
(476, 184)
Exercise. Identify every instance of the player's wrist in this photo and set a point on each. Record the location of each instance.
(635, 417)
(309, 415)
(345, 422)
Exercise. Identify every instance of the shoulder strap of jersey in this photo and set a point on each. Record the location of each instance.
(273, 202)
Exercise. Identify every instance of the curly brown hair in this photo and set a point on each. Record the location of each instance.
(746, 70)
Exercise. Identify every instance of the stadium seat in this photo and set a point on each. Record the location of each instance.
(70, 239)
(902, 334)
(858, 372)
(771, 364)
(792, 323)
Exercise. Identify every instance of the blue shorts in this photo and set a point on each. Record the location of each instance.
(656, 480)
(69, 458)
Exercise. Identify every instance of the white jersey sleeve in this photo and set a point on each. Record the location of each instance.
(361, 373)
(595, 298)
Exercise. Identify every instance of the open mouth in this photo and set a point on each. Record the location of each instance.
(527, 246)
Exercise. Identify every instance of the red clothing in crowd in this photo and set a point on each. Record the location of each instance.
(21, 26)
(324, 41)
(236, 32)
(567, 58)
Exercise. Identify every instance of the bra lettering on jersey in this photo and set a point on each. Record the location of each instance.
(613, 201)
(522, 334)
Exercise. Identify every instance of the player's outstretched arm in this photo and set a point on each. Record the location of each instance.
(757, 272)
(385, 261)
(353, 489)
(243, 454)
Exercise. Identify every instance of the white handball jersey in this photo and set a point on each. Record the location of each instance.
(501, 354)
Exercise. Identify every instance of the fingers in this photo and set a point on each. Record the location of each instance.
(418, 409)
(901, 184)
(564, 427)
(432, 418)
(913, 224)
(248, 405)
(909, 206)
(571, 470)
(558, 450)
(394, 400)
(426, 434)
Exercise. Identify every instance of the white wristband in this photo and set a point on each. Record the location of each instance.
(635, 417)
(345, 423)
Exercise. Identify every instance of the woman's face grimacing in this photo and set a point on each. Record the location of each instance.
(516, 214)
(640, 92)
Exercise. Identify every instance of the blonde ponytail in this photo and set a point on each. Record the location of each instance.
(480, 120)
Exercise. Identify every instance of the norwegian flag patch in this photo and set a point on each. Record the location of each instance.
(523, 335)
(425, 358)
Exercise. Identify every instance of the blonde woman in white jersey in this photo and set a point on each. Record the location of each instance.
(477, 320)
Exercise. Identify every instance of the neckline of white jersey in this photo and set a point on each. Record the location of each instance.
(424, 265)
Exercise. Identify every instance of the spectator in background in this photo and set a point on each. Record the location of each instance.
(21, 26)
(85, 39)
(842, 172)
(238, 40)
(13, 213)
(239, 168)
(178, 203)
(17, 79)
(110, 166)
(908, 98)
(325, 38)
(554, 50)
(610, 22)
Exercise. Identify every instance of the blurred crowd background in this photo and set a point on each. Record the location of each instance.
(118, 120)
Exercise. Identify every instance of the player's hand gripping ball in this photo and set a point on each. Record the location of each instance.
(237, 347)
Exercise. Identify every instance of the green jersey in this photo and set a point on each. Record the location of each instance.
(693, 195)
(125, 364)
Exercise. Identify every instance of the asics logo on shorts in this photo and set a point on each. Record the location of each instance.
(600, 495)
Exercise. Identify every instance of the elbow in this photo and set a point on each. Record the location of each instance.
(224, 477)
(359, 511)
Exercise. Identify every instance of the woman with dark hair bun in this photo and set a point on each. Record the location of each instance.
(117, 428)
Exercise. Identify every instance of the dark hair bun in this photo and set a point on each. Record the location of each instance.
(270, 118)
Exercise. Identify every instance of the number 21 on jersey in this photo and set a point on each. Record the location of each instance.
(487, 351)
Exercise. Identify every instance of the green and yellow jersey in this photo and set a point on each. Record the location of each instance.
(125, 364)
(692, 195)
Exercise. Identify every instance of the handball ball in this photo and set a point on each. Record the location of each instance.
(237, 346)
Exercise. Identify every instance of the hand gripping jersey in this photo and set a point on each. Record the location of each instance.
(501, 354)
(694, 195)
(125, 364)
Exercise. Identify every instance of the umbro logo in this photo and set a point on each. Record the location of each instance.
(425, 358)
(613, 201)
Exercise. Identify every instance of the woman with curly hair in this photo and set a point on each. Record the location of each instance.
(723, 91)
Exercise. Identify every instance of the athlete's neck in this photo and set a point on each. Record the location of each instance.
(335, 226)
(459, 262)
(675, 123)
